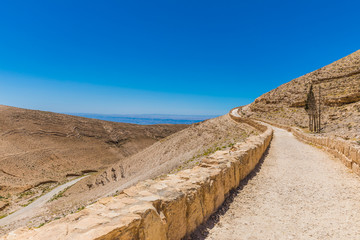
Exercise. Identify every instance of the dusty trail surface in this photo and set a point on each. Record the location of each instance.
(300, 192)
(33, 209)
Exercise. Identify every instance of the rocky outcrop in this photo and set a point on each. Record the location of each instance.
(339, 85)
(167, 208)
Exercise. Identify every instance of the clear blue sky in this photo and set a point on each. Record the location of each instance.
(171, 56)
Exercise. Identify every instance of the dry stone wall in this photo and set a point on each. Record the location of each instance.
(168, 208)
(347, 152)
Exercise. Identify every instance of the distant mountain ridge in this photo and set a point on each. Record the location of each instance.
(147, 119)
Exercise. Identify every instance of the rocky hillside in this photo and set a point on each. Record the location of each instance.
(339, 85)
(184, 148)
(39, 147)
(180, 150)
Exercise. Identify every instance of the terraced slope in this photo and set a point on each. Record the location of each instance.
(340, 91)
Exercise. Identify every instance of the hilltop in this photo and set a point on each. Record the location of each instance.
(340, 99)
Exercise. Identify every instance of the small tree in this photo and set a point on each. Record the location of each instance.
(319, 110)
(312, 111)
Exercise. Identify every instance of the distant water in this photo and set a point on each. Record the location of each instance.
(147, 119)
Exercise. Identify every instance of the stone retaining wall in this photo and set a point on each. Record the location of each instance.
(248, 121)
(348, 153)
(168, 208)
(287, 128)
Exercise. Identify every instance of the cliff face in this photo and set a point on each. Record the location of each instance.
(339, 85)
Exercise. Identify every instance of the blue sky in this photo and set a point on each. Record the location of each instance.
(175, 57)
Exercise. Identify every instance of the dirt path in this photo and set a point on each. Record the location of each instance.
(32, 209)
(298, 192)
(235, 112)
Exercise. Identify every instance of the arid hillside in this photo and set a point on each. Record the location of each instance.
(39, 147)
(180, 150)
(339, 85)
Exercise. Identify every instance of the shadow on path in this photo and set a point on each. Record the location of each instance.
(203, 230)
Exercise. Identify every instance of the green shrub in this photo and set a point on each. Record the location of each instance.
(42, 224)
(59, 195)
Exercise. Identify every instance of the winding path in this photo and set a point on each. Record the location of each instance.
(299, 192)
(32, 209)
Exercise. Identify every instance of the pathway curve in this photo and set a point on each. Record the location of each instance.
(32, 209)
(300, 192)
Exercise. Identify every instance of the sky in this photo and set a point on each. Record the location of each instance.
(164, 57)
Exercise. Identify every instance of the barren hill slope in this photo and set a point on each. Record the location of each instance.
(38, 147)
(340, 91)
(179, 150)
(187, 146)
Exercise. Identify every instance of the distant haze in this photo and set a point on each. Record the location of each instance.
(147, 119)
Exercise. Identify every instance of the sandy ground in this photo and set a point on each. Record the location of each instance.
(33, 209)
(296, 192)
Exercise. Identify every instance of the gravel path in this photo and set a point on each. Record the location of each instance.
(32, 209)
(299, 192)
(235, 112)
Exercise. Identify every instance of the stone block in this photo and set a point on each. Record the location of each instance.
(152, 226)
(346, 150)
(347, 162)
(229, 177)
(236, 164)
(356, 168)
(128, 229)
(194, 208)
(323, 141)
(353, 154)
